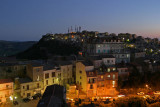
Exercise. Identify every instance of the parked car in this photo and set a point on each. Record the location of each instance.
(157, 92)
(34, 97)
(38, 95)
(121, 95)
(26, 100)
(30, 97)
(140, 93)
(107, 101)
(150, 93)
(15, 102)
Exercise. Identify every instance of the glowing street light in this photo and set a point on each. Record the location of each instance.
(11, 98)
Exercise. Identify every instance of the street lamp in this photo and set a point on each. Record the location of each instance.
(11, 98)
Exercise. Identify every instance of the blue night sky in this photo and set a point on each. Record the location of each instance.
(24, 20)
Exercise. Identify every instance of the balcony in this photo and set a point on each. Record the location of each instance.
(7, 88)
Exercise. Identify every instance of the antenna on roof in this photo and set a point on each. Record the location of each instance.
(75, 29)
(71, 28)
(68, 30)
(79, 28)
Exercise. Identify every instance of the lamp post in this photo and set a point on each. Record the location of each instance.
(12, 98)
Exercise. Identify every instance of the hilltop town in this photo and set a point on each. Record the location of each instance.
(86, 64)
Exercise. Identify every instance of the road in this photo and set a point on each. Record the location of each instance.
(32, 103)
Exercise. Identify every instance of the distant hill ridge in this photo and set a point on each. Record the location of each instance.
(9, 48)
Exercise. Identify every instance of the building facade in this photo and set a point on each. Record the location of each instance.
(6, 90)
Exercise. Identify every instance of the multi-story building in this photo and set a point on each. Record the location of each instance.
(107, 81)
(103, 59)
(6, 90)
(104, 46)
(107, 46)
(66, 69)
(123, 72)
(29, 87)
(33, 83)
(12, 70)
(51, 75)
(96, 82)
(81, 76)
(122, 57)
(91, 83)
(35, 71)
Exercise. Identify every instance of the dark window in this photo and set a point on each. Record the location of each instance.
(59, 75)
(23, 87)
(27, 87)
(46, 75)
(53, 80)
(37, 69)
(77, 82)
(7, 86)
(80, 77)
(93, 80)
(89, 81)
(46, 82)
(28, 94)
(37, 85)
(80, 72)
(53, 74)
(91, 86)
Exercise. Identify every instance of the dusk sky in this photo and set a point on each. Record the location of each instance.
(25, 20)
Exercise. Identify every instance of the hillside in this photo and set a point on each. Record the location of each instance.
(8, 48)
(44, 49)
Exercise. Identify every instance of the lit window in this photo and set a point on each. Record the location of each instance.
(109, 70)
(114, 69)
(101, 77)
(99, 45)
(113, 83)
(108, 76)
(113, 76)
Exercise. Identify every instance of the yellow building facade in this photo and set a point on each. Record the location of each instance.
(6, 90)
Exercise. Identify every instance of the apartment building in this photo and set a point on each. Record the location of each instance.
(29, 87)
(6, 90)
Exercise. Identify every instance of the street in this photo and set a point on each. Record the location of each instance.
(32, 103)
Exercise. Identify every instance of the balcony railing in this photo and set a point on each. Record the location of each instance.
(8, 88)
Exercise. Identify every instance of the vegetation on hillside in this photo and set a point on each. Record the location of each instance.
(43, 49)
(8, 48)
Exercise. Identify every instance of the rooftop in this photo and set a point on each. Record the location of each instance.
(2, 81)
(24, 80)
(87, 63)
